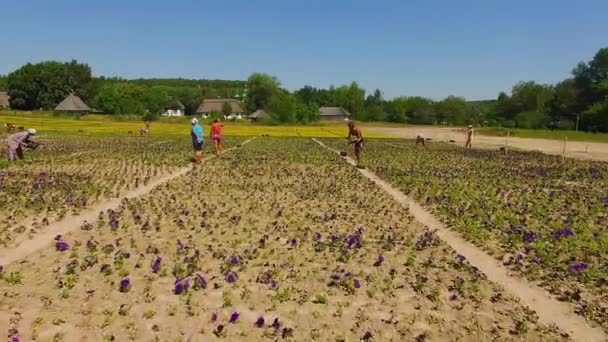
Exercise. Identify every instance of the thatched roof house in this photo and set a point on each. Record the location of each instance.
(4, 99)
(334, 114)
(72, 103)
(215, 105)
(259, 115)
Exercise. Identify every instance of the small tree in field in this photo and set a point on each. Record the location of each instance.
(226, 109)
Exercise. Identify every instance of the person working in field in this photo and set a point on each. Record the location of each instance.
(18, 141)
(469, 143)
(216, 136)
(197, 141)
(420, 139)
(355, 132)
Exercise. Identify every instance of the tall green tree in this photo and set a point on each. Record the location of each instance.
(564, 103)
(451, 110)
(261, 89)
(45, 84)
(226, 109)
(282, 107)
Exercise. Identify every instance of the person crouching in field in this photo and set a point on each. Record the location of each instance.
(16, 142)
(420, 139)
(216, 136)
(469, 143)
(197, 141)
(358, 142)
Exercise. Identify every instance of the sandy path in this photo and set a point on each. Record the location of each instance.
(68, 224)
(549, 309)
(574, 149)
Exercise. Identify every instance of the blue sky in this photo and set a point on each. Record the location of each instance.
(433, 48)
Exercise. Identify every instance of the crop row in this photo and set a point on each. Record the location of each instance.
(541, 216)
(67, 175)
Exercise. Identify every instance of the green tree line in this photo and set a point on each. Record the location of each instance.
(580, 101)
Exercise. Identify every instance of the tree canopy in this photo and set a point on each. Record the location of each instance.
(44, 85)
(579, 101)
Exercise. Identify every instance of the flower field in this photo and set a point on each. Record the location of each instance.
(278, 240)
(542, 217)
(66, 175)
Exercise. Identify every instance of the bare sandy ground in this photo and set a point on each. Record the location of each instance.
(574, 149)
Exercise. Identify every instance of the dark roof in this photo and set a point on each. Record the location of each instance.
(333, 111)
(73, 103)
(4, 99)
(215, 105)
(259, 114)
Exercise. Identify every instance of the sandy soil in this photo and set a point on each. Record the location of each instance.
(574, 149)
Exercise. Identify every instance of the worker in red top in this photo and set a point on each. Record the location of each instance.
(216, 136)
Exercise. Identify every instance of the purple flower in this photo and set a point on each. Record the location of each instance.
(231, 277)
(596, 235)
(200, 281)
(15, 338)
(347, 274)
(562, 232)
(125, 285)
(276, 324)
(214, 317)
(62, 246)
(234, 260)
(578, 267)
(181, 285)
(114, 224)
(379, 261)
(294, 242)
(156, 264)
(58, 237)
(367, 336)
(460, 258)
(357, 284)
(318, 236)
(234, 317)
(260, 322)
(335, 277)
(273, 284)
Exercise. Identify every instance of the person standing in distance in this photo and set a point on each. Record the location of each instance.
(216, 136)
(197, 141)
(355, 132)
(469, 143)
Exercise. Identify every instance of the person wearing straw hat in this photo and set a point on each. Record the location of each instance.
(16, 142)
(469, 143)
(420, 139)
(197, 141)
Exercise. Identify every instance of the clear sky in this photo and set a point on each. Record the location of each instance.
(433, 48)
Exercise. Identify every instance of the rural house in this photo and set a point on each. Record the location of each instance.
(173, 113)
(259, 115)
(73, 103)
(4, 99)
(333, 114)
(215, 106)
(176, 110)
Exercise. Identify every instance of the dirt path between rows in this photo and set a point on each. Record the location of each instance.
(574, 149)
(69, 224)
(549, 309)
